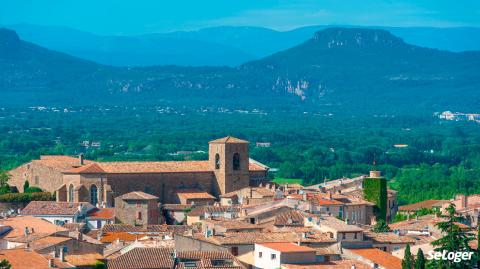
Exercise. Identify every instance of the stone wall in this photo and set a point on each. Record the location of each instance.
(47, 178)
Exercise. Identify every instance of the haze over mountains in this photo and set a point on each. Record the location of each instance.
(216, 46)
(338, 69)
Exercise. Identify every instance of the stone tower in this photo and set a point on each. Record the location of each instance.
(228, 158)
(375, 191)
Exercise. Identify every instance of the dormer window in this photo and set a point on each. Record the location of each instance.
(217, 161)
(236, 161)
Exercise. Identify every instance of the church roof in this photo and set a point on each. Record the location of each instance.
(229, 139)
(91, 168)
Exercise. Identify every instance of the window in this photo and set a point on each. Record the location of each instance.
(235, 251)
(260, 254)
(355, 236)
(217, 161)
(327, 208)
(139, 215)
(93, 195)
(236, 161)
(70, 193)
(343, 235)
(273, 256)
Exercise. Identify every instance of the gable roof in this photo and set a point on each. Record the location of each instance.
(91, 168)
(228, 139)
(19, 223)
(23, 259)
(194, 194)
(137, 195)
(39, 208)
(143, 258)
(379, 257)
(427, 204)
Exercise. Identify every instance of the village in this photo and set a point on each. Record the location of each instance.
(220, 213)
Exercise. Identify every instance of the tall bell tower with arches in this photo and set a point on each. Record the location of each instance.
(228, 159)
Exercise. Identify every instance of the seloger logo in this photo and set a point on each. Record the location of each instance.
(456, 256)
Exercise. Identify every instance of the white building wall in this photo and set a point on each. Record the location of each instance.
(266, 261)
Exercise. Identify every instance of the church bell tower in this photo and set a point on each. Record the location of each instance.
(228, 159)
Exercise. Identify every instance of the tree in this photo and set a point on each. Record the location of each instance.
(420, 261)
(26, 185)
(454, 239)
(408, 261)
(381, 227)
(4, 264)
(4, 177)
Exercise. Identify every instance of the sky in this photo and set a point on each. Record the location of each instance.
(127, 17)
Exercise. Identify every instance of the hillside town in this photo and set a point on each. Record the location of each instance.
(224, 212)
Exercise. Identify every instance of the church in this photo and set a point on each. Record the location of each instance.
(75, 179)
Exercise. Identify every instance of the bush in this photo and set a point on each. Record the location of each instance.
(26, 197)
(32, 189)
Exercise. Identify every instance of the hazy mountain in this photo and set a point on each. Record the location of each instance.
(141, 50)
(226, 45)
(344, 69)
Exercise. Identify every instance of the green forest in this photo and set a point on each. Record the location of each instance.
(442, 157)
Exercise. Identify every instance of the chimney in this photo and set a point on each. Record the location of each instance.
(26, 231)
(81, 159)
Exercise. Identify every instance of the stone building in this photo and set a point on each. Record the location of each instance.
(228, 168)
(137, 208)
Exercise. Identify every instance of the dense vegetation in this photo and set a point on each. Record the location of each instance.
(442, 157)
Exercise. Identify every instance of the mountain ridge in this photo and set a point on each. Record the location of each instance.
(337, 67)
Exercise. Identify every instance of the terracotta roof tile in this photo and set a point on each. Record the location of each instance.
(137, 195)
(287, 247)
(143, 258)
(229, 139)
(428, 204)
(92, 168)
(39, 225)
(388, 238)
(379, 257)
(194, 194)
(341, 264)
(163, 228)
(22, 259)
(290, 218)
(39, 208)
(102, 213)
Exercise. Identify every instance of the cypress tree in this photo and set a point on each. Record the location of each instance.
(407, 262)
(420, 261)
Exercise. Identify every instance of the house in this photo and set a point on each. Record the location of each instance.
(57, 213)
(374, 257)
(427, 204)
(340, 230)
(176, 213)
(137, 208)
(98, 217)
(273, 255)
(388, 241)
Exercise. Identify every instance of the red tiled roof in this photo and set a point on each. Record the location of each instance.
(102, 213)
(228, 139)
(22, 259)
(39, 225)
(379, 257)
(428, 204)
(143, 258)
(287, 247)
(137, 195)
(194, 194)
(39, 208)
(340, 264)
(91, 168)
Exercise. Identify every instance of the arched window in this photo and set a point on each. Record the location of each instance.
(217, 161)
(93, 195)
(236, 161)
(70, 193)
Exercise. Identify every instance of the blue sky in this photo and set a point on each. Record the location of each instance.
(146, 16)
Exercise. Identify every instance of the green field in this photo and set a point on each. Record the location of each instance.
(281, 180)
